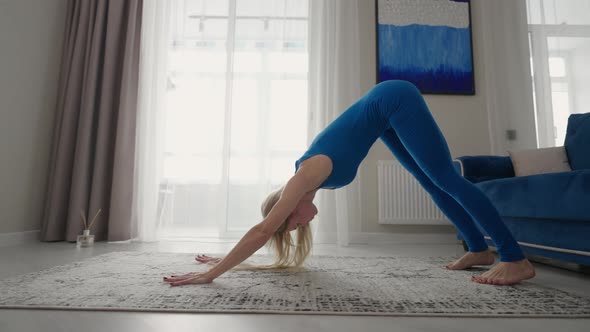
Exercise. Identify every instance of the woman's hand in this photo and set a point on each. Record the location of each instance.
(189, 278)
(207, 259)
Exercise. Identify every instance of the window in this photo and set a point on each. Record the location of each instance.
(236, 113)
(559, 34)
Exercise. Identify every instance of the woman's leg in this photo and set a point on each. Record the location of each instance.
(455, 212)
(419, 133)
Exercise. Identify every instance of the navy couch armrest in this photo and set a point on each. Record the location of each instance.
(485, 168)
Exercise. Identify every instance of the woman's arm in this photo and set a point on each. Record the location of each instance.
(306, 179)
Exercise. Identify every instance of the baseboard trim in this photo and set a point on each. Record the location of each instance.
(16, 238)
(391, 238)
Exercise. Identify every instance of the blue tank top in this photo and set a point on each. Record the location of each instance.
(347, 140)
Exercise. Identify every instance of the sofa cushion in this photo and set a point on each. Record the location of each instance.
(539, 161)
(484, 168)
(577, 141)
(562, 196)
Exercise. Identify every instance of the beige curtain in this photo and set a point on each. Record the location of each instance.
(92, 161)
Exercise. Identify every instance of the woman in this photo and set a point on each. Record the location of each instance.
(395, 112)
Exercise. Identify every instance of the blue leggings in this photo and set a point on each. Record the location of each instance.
(416, 141)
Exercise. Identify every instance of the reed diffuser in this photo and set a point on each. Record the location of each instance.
(86, 239)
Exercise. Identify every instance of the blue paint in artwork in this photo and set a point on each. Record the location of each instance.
(434, 58)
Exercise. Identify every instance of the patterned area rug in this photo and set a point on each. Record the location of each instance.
(390, 286)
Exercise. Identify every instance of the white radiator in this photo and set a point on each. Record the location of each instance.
(402, 200)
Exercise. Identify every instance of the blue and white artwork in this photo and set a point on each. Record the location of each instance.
(426, 42)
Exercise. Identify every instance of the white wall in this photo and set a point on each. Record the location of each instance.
(509, 90)
(30, 49)
(462, 119)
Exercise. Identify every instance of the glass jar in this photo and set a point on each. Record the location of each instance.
(85, 240)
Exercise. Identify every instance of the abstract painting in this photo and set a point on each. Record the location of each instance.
(426, 42)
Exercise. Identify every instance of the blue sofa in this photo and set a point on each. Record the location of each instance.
(548, 214)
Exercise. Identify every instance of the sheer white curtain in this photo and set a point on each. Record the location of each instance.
(334, 86)
(223, 113)
(155, 38)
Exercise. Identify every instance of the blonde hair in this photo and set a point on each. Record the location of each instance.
(283, 242)
(290, 253)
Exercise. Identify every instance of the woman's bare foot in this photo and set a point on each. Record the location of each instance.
(507, 273)
(472, 258)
